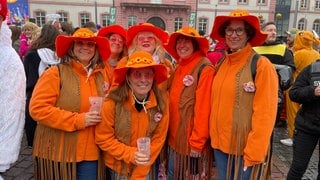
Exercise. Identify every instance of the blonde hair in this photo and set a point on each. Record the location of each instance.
(159, 49)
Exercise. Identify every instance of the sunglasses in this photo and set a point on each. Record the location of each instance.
(81, 43)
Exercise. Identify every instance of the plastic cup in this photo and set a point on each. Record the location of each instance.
(143, 144)
(95, 103)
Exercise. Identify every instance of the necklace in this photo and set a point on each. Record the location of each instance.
(143, 102)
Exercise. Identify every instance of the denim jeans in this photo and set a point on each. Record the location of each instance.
(303, 147)
(87, 170)
(221, 160)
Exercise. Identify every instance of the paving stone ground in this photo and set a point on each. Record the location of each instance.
(282, 157)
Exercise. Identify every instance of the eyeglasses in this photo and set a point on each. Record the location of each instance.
(146, 38)
(114, 40)
(238, 31)
(81, 43)
(138, 75)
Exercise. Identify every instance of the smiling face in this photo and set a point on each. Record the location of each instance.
(84, 50)
(146, 41)
(236, 36)
(184, 46)
(116, 43)
(141, 80)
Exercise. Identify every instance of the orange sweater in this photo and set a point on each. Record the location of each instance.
(264, 106)
(43, 109)
(199, 134)
(116, 151)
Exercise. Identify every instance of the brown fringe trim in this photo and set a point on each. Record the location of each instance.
(186, 167)
(54, 154)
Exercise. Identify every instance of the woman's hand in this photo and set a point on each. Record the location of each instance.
(141, 158)
(92, 118)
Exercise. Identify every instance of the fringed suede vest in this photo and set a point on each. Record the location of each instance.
(122, 128)
(242, 118)
(54, 150)
(184, 165)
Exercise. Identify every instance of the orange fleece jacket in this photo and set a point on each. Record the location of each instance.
(198, 136)
(43, 109)
(119, 152)
(264, 106)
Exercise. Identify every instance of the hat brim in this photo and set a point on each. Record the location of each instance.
(171, 45)
(113, 29)
(259, 37)
(63, 43)
(160, 73)
(134, 30)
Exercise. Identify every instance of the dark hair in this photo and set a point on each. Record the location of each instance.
(16, 31)
(67, 28)
(250, 30)
(47, 38)
(267, 24)
(195, 43)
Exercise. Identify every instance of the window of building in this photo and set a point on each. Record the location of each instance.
(132, 20)
(260, 2)
(84, 18)
(177, 23)
(302, 24)
(242, 1)
(40, 18)
(203, 1)
(63, 16)
(316, 26)
(303, 3)
(317, 5)
(202, 26)
(223, 1)
(105, 20)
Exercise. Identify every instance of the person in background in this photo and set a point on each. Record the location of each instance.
(240, 124)
(64, 144)
(278, 54)
(116, 36)
(91, 25)
(218, 53)
(29, 34)
(305, 91)
(39, 57)
(304, 55)
(12, 96)
(189, 95)
(135, 108)
(67, 28)
(291, 34)
(16, 31)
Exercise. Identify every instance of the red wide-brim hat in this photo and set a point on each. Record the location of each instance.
(113, 29)
(259, 36)
(63, 42)
(134, 30)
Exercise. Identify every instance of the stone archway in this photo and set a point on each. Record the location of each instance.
(157, 21)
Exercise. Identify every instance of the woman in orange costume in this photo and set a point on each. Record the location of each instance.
(189, 105)
(116, 36)
(64, 145)
(135, 108)
(243, 109)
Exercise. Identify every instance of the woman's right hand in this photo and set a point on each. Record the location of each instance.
(92, 118)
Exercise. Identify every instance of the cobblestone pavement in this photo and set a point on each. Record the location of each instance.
(282, 157)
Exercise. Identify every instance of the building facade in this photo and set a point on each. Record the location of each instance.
(171, 15)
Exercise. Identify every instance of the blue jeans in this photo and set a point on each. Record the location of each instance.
(221, 160)
(303, 147)
(87, 170)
